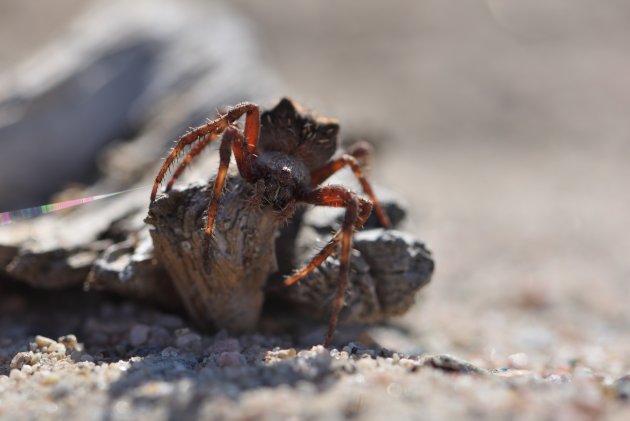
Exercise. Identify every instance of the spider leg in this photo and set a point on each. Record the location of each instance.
(243, 157)
(212, 129)
(225, 154)
(196, 150)
(365, 208)
(361, 152)
(357, 212)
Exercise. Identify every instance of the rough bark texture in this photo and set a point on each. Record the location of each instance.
(129, 269)
(221, 282)
(387, 268)
(219, 279)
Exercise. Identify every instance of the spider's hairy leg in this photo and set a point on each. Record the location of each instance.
(201, 132)
(244, 157)
(225, 154)
(252, 129)
(214, 128)
(357, 212)
(196, 150)
(365, 208)
(352, 159)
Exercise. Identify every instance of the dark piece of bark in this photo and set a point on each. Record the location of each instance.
(387, 268)
(399, 264)
(55, 269)
(58, 251)
(132, 78)
(220, 279)
(451, 364)
(221, 282)
(129, 269)
(119, 73)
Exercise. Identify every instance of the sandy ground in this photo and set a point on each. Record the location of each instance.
(505, 127)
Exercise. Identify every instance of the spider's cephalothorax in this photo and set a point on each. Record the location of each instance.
(281, 178)
(286, 153)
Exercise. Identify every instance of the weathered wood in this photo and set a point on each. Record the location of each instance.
(221, 283)
(129, 269)
(387, 268)
(220, 279)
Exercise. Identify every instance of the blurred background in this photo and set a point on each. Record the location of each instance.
(503, 124)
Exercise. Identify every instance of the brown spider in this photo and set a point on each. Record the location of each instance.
(286, 154)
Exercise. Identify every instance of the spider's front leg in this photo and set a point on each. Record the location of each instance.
(205, 134)
(361, 151)
(357, 212)
(232, 139)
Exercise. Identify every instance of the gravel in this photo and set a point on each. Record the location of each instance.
(135, 362)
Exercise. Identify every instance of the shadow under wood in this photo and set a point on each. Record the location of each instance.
(25, 311)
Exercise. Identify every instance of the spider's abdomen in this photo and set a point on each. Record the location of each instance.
(289, 129)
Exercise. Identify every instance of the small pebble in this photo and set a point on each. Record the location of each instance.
(21, 358)
(57, 348)
(409, 364)
(139, 334)
(225, 345)
(622, 386)
(276, 355)
(60, 391)
(155, 389)
(86, 358)
(557, 379)
(48, 378)
(70, 341)
(42, 341)
(285, 353)
(170, 352)
(518, 361)
(16, 374)
(230, 359)
(582, 373)
(191, 341)
(366, 363)
(76, 356)
(159, 336)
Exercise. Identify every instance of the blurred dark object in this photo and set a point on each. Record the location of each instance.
(120, 72)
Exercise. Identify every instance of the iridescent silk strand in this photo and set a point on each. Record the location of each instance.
(10, 217)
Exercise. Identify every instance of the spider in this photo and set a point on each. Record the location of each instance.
(286, 154)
